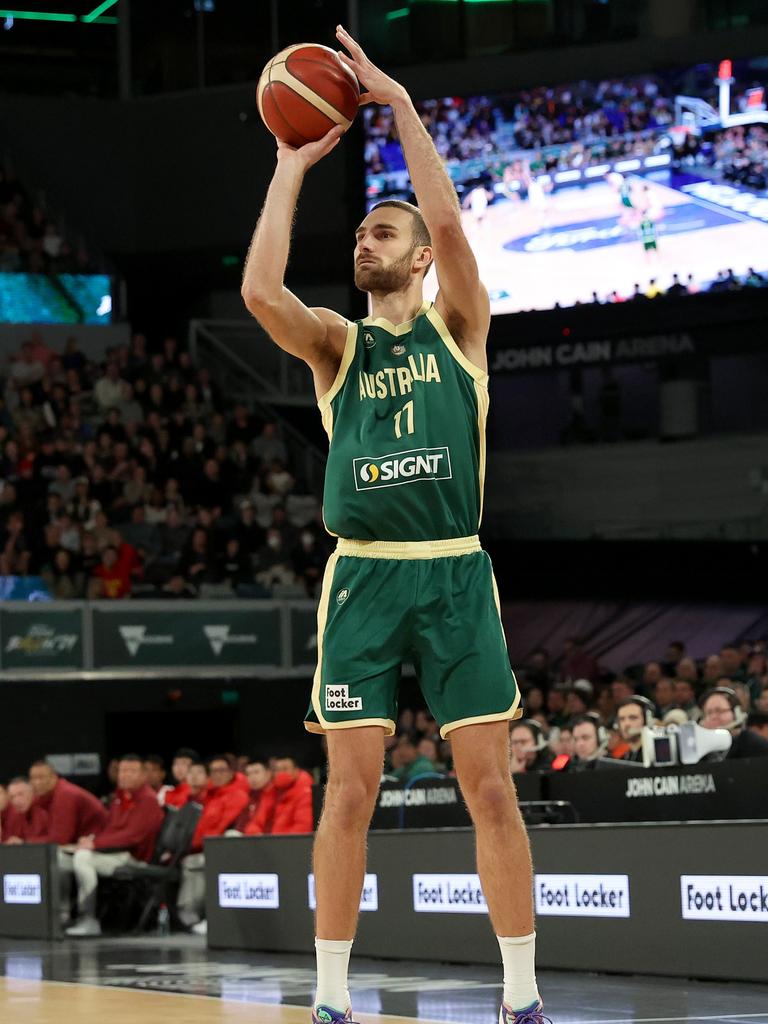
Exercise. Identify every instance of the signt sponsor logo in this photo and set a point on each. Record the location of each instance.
(219, 636)
(249, 892)
(135, 637)
(337, 699)
(369, 898)
(582, 895)
(22, 889)
(448, 894)
(670, 785)
(724, 897)
(402, 468)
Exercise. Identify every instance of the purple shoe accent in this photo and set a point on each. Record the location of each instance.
(531, 1015)
(327, 1015)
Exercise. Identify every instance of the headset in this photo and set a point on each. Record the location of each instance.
(540, 739)
(600, 730)
(648, 708)
(739, 715)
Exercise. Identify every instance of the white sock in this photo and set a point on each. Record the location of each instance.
(519, 954)
(332, 969)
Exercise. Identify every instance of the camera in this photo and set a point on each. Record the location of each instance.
(664, 746)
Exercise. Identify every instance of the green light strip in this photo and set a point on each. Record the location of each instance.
(94, 14)
(37, 16)
(401, 12)
(105, 21)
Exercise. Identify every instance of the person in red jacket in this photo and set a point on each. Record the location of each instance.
(178, 795)
(259, 778)
(3, 810)
(225, 802)
(72, 811)
(287, 804)
(134, 821)
(25, 820)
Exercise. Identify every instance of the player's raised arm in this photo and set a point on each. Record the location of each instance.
(463, 300)
(314, 335)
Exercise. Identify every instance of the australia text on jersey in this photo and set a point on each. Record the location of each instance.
(399, 380)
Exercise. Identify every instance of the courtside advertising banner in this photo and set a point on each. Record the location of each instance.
(249, 892)
(741, 898)
(582, 895)
(369, 898)
(25, 889)
(448, 894)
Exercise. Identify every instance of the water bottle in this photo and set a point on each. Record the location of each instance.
(163, 921)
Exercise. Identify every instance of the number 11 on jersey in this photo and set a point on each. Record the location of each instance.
(409, 425)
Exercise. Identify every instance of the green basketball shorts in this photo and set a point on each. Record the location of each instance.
(432, 603)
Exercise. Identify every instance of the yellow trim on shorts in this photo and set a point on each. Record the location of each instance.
(513, 712)
(324, 402)
(322, 618)
(407, 549)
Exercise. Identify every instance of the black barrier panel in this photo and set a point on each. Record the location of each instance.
(29, 892)
(686, 900)
(721, 790)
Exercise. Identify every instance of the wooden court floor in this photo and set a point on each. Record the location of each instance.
(64, 1002)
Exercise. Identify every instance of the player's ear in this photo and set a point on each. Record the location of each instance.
(424, 258)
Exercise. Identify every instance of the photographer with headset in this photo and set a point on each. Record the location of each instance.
(633, 715)
(721, 709)
(528, 750)
(590, 741)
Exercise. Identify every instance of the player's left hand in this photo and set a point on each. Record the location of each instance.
(380, 87)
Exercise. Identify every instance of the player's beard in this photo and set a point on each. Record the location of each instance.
(377, 278)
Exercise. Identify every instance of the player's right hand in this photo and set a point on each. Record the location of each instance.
(305, 156)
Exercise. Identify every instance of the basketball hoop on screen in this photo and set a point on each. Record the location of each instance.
(679, 134)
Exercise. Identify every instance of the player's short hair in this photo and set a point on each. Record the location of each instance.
(420, 231)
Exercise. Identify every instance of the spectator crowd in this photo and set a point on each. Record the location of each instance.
(134, 478)
(96, 839)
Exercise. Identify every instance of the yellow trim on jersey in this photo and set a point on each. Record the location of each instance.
(477, 374)
(396, 329)
(483, 402)
(324, 402)
(386, 723)
(407, 549)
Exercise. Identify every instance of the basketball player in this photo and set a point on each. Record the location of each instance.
(404, 397)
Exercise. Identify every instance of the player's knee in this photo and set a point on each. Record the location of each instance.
(490, 797)
(350, 798)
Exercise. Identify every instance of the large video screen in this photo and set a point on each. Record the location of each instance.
(591, 191)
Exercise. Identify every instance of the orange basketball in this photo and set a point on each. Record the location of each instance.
(304, 91)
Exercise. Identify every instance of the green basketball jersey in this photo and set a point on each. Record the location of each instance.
(406, 422)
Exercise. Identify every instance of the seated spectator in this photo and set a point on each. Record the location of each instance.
(632, 719)
(178, 794)
(133, 823)
(269, 446)
(154, 771)
(25, 821)
(590, 741)
(286, 807)
(686, 669)
(64, 583)
(576, 663)
(109, 388)
(273, 561)
(757, 722)
(259, 782)
(720, 709)
(685, 698)
(407, 762)
(556, 715)
(309, 560)
(732, 663)
(225, 802)
(234, 565)
(111, 579)
(664, 696)
(3, 810)
(578, 698)
(528, 748)
(72, 811)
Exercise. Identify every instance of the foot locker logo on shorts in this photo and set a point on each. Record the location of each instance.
(337, 699)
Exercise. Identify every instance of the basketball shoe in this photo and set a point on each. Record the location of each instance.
(327, 1015)
(531, 1015)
